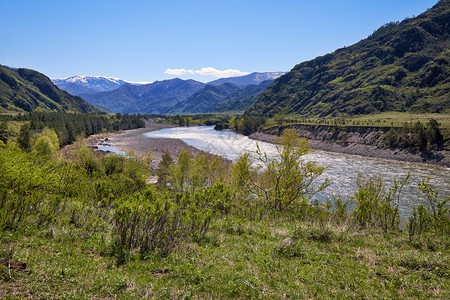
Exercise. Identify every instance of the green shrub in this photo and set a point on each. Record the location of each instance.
(434, 218)
(287, 180)
(319, 234)
(375, 208)
(153, 223)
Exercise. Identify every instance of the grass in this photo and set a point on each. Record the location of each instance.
(388, 119)
(399, 118)
(237, 259)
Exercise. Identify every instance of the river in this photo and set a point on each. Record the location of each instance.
(342, 169)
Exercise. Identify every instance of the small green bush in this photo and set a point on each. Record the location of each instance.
(433, 218)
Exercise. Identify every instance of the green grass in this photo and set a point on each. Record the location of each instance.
(237, 259)
(388, 119)
(399, 118)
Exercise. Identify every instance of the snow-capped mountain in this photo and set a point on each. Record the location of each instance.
(253, 78)
(78, 85)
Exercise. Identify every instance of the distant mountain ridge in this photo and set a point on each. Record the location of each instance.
(242, 99)
(183, 96)
(25, 90)
(154, 98)
(250, 79)
(205, 100)
(77, 85)
(401, 67)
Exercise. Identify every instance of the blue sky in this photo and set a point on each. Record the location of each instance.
(145, 41)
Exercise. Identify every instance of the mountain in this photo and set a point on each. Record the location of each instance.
(25, 90)
(401, 67)
(253, 78)
(155, 98)
(226, 97)
(177, 96)
(78, 85)
(242, 99)
(206, 100)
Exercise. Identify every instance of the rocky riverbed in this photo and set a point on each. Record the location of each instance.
(363, 142)
(135, 141)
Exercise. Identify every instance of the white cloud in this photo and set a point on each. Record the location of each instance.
(209, 71)
(220, 74)
(179, 72)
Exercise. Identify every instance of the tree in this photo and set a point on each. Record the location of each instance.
(233, 123)
(46, 143)
(24, 137)
(53, 137)
(434, 134)
(163, 170)
(287, 179)
(279, 119)
(4, 134)
(44, 147)
(420, 136)
(179, 173)
(199, 171)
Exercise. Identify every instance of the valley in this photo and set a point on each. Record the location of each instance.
(200, 179)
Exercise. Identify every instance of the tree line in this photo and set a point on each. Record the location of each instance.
(68, 126)
(417, 136)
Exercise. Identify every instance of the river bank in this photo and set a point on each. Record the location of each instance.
(357, 141)
(354, 141)
(134, 140)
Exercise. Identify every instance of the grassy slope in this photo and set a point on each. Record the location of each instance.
(237, 259)
(24, 90)
(241, 100)
(398, 68)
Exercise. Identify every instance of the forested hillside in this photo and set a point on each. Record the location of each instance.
(400, 67)
(67, 126)
(25, 90)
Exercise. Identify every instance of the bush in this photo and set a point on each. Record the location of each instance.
(287, 180)
(375, 208)
(23, 182)
(433, 218)
(151, 222)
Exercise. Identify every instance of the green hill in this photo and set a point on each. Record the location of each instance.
(25, 90)
(206, 100)
(400, 67)
(243, 98)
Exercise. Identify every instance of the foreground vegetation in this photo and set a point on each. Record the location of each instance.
(91, 227)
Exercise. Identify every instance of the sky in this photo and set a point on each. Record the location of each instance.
(144, 41)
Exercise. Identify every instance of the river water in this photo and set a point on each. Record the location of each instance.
(342, 169)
